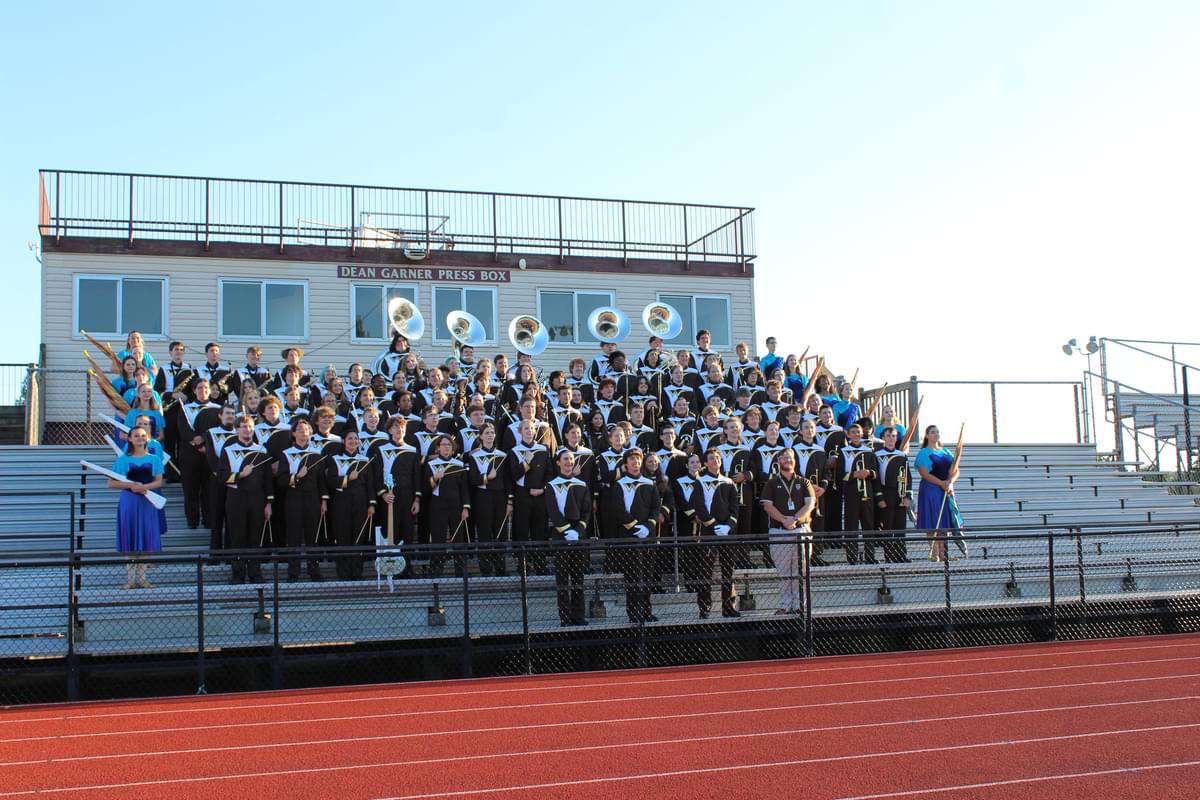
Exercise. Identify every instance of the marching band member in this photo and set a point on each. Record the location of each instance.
(892, 517)
(563, 412)
(577, 379)
(673, 460)
(568, 508)
(812, 407)
(355, 383)
(528, 465)
(775, 401)
(812, 462)
(741, 366)
(371, 432)
(655, 346)
(770, 362)
(789, 430)
(291, 358)
(887, 419)
(397, 483)
(640, 435)
(738, 463)
(306, 499)
(715, 507)
(692, 376)
(856, 471)
(608, 472)
(140, 525)
(676, 389)
(607, 404)
(714, 386)
(215, 439)
(765, 450)
(491, 497)
(349, 483)
(702, 352)
(215, 372)
(146, 403)
(444, 484)
(600, 366)
(468, 434)
(196, 418)
(794, 379)
(937, 508)
(292, 407)
(389, 361)
(637, 506)
(683, 422)
(248, 497)
(845, 409)
(252, 372)
(323, 438)
(136, 347)
(788, 500)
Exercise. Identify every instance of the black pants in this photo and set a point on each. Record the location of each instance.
(303, 511)
(698, 568)
(196, 475)
(216, 514)
(243, 526)
(893, 520)
(487, 512)
(570, 560)
(637, 563)
(858, 515)
(529, 525)
(444, 526)
(349, 526)
(404, 525)
(833, 511)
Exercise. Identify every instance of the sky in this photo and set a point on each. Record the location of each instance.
(943, 189)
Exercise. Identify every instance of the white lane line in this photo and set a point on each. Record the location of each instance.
(480, 756)
(607, 779)
(1065, 776)
(649, 718)
(723, 676)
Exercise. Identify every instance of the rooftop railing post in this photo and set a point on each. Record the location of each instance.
(741, 243)
(200, 682)
(495, 232)
(995, 417)
(624, 238)
(207, 212)
(353, 226)
(686, 249)
(281, 217)
(560, 231)
(426, 193)
(57, 206)
(131, 211)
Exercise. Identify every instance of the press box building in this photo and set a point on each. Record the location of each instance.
(278, 263)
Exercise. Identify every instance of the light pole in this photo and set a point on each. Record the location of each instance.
(1091, 348)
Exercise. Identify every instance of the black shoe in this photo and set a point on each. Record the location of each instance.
(731, 612)
(580, 622)
(650, 618)
(817, 561)
(703, 613)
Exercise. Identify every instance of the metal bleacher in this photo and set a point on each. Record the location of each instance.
(1164, 415)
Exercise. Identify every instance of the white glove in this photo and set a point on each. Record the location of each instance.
(721, 530)
(641, 531)
(571, 535)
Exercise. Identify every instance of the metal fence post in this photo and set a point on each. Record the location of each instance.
(72, 614)
(353, 226)
(426, 220)
(57, 206)
(560, 231)
(207, 214)
(1082, 580)
(1118, 444)
(1053, 596)
(624, 238)
(1187, 420)
(523, 566)
(281, 217)
(468, 669)
(806, 582)
(276, 650)
(686, 247)
(91, 424)
(201, 688)
(948, 627)
(495, 232)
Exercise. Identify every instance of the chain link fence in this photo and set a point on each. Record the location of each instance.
(69, 627)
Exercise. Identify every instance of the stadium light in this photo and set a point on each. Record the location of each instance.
(1092, 345)
(1069, 347)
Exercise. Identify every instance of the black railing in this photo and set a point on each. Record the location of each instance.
(204, 210)
(196, 631)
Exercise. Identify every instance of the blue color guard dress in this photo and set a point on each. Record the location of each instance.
(931, 512)
(140, 525)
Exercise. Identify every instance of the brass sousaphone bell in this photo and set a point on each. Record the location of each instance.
(662, 320)
(528, 334)
(465, 328)
(405, 318)
(608, 324)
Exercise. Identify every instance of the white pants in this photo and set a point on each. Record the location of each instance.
(787, 562)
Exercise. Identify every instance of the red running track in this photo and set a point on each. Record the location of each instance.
(1089, 720)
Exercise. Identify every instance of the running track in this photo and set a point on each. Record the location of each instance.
(1110, 718)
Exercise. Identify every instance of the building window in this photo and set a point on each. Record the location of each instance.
(480, 302)
(565, 314)
(263, 309)
(115, 305)
(700, 312)
(368, 309)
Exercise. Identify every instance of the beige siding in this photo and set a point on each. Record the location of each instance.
(193, 296)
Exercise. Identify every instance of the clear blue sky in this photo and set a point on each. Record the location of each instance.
(1025, 171)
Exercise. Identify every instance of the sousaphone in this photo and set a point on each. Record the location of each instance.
(405, 318)
(466, 328)
(608, 324)
(662, 320)
(528, 334)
